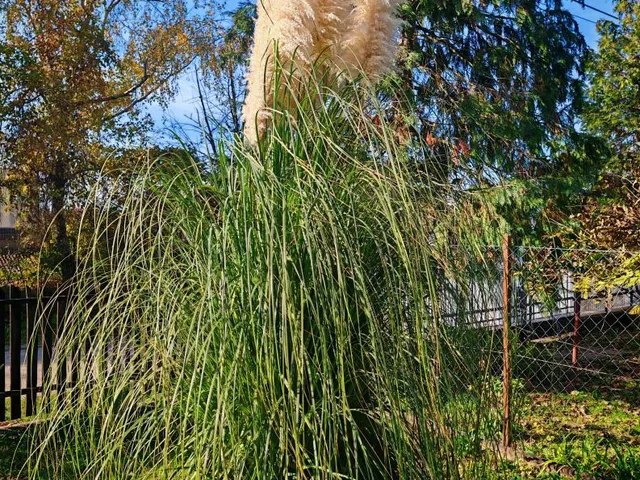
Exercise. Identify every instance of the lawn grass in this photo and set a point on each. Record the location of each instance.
(14, 450)
(591, 434)
(15, 437)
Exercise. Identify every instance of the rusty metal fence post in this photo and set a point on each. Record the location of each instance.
(576, 329)
(506, 334)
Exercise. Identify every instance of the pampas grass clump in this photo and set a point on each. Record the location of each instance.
(274, 313)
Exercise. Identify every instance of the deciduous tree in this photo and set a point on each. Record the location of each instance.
(611, 215)
(80, 73)
(223, 67)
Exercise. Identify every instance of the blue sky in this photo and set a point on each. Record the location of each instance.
(184, 104)
(589, 17)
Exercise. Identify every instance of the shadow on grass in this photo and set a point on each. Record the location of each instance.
(14, 451)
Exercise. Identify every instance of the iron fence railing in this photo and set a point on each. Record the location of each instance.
(29, 325)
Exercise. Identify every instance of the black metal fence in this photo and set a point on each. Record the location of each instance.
(29, 324)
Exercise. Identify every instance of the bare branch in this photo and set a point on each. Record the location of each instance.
(118, 96)
(135, 102)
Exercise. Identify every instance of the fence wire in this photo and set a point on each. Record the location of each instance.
(574, 318)
(574, 315)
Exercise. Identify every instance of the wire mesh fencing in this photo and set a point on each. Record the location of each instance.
(576, 317)
(573, 315)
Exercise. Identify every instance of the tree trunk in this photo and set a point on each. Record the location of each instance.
(63, 243)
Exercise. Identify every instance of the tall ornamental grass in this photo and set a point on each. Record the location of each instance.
(273, 313)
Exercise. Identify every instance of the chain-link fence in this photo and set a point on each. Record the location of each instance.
(574, 315)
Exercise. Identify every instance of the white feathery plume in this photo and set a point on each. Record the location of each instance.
(332, 21)
(357, 38)
(291, 25)
(368, 45)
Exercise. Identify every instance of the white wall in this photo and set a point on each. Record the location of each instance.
(7, 214)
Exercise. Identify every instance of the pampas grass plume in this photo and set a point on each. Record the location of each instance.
(368, 45)
(355, 37)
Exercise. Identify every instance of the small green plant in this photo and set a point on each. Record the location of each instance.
(627, 464)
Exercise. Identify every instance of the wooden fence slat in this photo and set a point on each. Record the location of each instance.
(31, 358)
(47, 346)
(15, 319)
(3, 387)
(61, 381)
